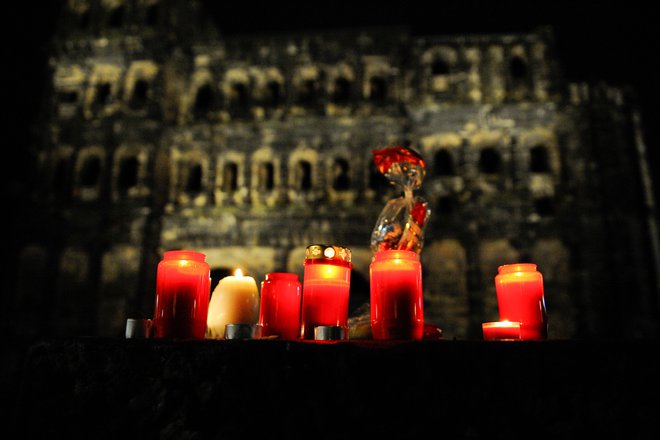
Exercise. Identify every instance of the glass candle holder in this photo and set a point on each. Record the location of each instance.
(279, 312)
(183, 283)
(326, 285)
(501, 330)
(397, 307)
(520, 298)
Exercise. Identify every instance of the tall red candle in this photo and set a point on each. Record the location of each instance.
(397, 304)
(326, 285)
(520, 298)
(183, 285)
(279, 313)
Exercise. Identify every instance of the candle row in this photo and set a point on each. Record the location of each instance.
(287, 308)
(317, 308)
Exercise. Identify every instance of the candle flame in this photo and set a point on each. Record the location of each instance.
(238, 273)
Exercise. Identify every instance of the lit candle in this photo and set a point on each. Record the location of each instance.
(520, 298)
(326, 285)
(501, 330)
(235, 300)
(279, 312)
(397, 310)
(182, 295)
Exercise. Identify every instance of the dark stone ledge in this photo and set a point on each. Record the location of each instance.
(110, 388)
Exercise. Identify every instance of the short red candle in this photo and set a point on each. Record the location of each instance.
(501, 330)
(279, 313)
(520, 298)
(183, 285)
(326, 285)
(397, 304)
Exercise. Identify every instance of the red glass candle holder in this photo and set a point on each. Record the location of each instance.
(397, 304)
(501, 330)
(183, 285)
(326, 285)
(520, 298)
(279, 313)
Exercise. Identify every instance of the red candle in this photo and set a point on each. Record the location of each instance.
(327, 281)
(397, 305)
(279, 312)
(183, 285)
(520, 298)
(501, 330)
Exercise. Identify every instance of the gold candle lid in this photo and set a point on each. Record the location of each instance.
(329, 252)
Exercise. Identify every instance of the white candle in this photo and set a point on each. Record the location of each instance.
(235, 300)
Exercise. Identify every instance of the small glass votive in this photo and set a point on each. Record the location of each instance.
(501, 331)
(138, 328)
(239, 331)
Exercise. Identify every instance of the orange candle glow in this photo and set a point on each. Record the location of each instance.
(397, 306)
(501, 330)
(520, 299)
(326, 285)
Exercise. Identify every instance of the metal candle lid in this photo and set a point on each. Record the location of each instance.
(329, 333)
(138, 328)
(330, 252)
(239, 331)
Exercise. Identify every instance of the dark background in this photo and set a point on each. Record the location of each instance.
(615, 42)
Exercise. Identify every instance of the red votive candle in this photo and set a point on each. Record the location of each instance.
(279, 313)
(520, 298)
(183, 285)
(501, 330)
(397, 305)
(326, 284)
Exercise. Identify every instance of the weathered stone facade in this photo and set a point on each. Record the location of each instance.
(162, 134)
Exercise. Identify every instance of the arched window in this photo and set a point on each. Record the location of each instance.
(84, 21)
(304, 175)
(439, 67)
(140, 94)
(204, 100)
(116, 19)
(377, 181)
(518, 68)
(194, 179)
(61, 176)
(446, 205)
(444, 163)
(151, 16)
(90, 172)
(307, 94)
(341, 180)
(342, 91)
(539, 162)
(274, 94)
(103, 94)
(68, 97)
(544, 206)
(240, 96)
(230, 177)
(128, 173)
(490, 161)
(378, 90)
(266, 176)
(218, 273)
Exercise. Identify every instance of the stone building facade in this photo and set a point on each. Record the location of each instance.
(160, 133)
